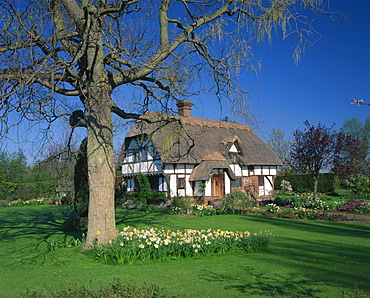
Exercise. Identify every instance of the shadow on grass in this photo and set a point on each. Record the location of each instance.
(339, 228)
(256, 284)
(302, 268)
(139, 219)
(25, 232)
(319, 253)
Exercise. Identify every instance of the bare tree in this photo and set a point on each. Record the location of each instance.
(58, 56)
(281, 146)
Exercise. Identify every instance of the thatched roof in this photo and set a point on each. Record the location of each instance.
(193, 140)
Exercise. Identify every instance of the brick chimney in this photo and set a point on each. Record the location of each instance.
(184, 107)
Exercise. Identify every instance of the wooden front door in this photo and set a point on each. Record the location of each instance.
(218, 190)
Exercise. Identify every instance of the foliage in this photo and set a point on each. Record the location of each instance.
(272, 208)
(328, 182)
(113, 290)
(143, 192)
(132, 203)
(142, 187)
(183, 203)
(283, 201)
(351, 154)
(305, 206)
(285, 185)
(356, 206)
(32, 202)
(18, 181)
(355, 128)
(81, 181)
(236, 200)
(65, 243)
(134, 244)
(313, 150)
(358, 184)
(309, 213)
(205, 210)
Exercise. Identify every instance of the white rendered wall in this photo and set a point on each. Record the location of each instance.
(227, 184)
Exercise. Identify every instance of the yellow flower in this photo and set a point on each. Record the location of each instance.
(156, 245)
(122, 244)
(97, 232)
(141, 245)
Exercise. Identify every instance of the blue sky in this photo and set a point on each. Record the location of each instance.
(320, 88)
(332, 72)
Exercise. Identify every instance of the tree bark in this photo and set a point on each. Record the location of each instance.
(101, 171)
(315, 185)
(101, 223)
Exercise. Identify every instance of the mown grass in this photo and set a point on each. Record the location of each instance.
(305, 259)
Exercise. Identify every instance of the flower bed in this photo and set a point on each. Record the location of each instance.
(36, 202)
(151, 243)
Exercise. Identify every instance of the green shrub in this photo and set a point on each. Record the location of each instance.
(306, 213)
(272, 208)
(159, 209)
(132, 203)
(157, 198)
(4, 203)
(236, 201)
(114, 290)
(143, 192)
(282, 201)
(358, 184)
(183, 202)
(142, 188)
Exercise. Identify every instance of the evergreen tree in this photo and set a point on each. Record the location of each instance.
(81, 181)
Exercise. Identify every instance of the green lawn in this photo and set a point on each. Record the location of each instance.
(305, 258)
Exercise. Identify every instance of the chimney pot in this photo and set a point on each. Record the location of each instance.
(184, 107)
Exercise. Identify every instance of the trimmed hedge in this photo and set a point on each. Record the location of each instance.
(304, 183)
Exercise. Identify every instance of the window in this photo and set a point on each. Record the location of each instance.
(140, 154)
(237, 183)
(233, 157)
(181, 183)
(261, 180)
(233, 153)
(158, 183)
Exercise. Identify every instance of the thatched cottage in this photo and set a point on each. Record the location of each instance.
(198, 157)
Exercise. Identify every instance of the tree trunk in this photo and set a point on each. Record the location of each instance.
(315, 185)
(100, 160)
(101, 171)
